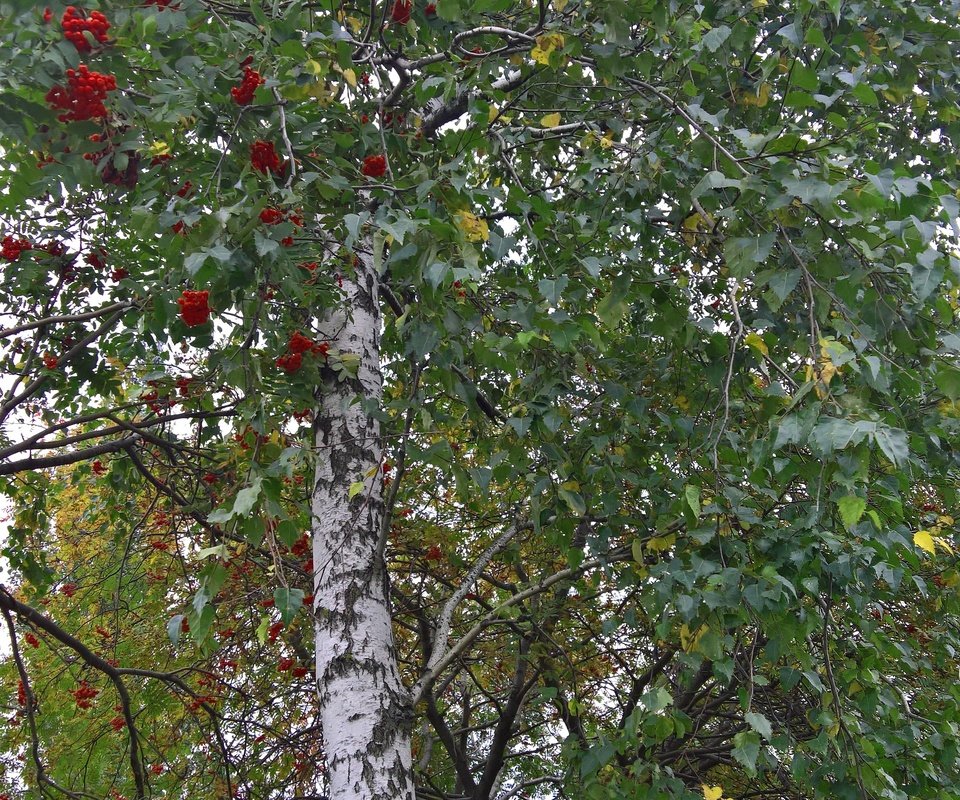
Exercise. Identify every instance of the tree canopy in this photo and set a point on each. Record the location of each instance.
(480, 399)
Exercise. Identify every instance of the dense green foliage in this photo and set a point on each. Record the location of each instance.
(675, 285)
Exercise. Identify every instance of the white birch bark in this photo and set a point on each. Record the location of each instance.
(364, 710)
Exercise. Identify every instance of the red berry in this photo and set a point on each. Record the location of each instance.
(374, 166)
(194, 308)
(400, 13)
(290, 362)
(243, 94)
(264, 158)
(271, 216)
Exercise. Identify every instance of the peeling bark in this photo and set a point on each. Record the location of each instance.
(364, 710)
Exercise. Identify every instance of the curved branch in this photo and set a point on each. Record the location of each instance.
(9, 603)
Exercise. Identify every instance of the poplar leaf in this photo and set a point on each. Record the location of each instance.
(755, 342)
(851, 509)
(473, 228)
(550, 120)
(660, 543)
(545, 45)
(924, 541)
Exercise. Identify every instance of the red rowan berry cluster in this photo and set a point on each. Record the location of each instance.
(83, 96)
(84, 694)
(374, 166)
(274, 631)
(272, 216)
(32, 640)
(393, 120)
(430, 10)
(302, 546)
(96, 258)
(264, 158)
(97, 468)
(50, 361)
(194, 308)
(68, 589)
(292, 360)
(118, 723)
(74, 24)
(400, 13)
(11, 248)
(243, 94)
(21, 693)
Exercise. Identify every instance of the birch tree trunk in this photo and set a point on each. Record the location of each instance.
(364, 710)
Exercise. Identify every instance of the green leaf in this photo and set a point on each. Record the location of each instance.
(760, 724)
(851, 509)
(948, 381)
(691, 496)
(247, 499)
(174, 628)
(288, 602)
(746, 749)
(573, 500)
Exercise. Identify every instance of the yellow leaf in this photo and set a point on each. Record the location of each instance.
(754, 341)
(545, 45)
(314, 67)
(355, 24)
(760, 99)
(712, 792)
(492, 113)
(760, 4)
(350, 77)
(471, 226)
(550, 120)
(355, 488)
(159, 148)
(660, 543)
(606, 141)
(559, 5)
(681, 402)
(689, 640)
(924, 541)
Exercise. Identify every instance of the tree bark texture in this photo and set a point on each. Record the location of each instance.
(364, 710)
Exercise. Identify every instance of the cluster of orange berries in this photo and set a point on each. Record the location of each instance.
(374, 166)
(243, 94)
(264, 158)
(98, 258)
(82, 98)
(84, 694)
(292, 360)
(194, 307)
(400, 13)
(75, 24)
(11, 247)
